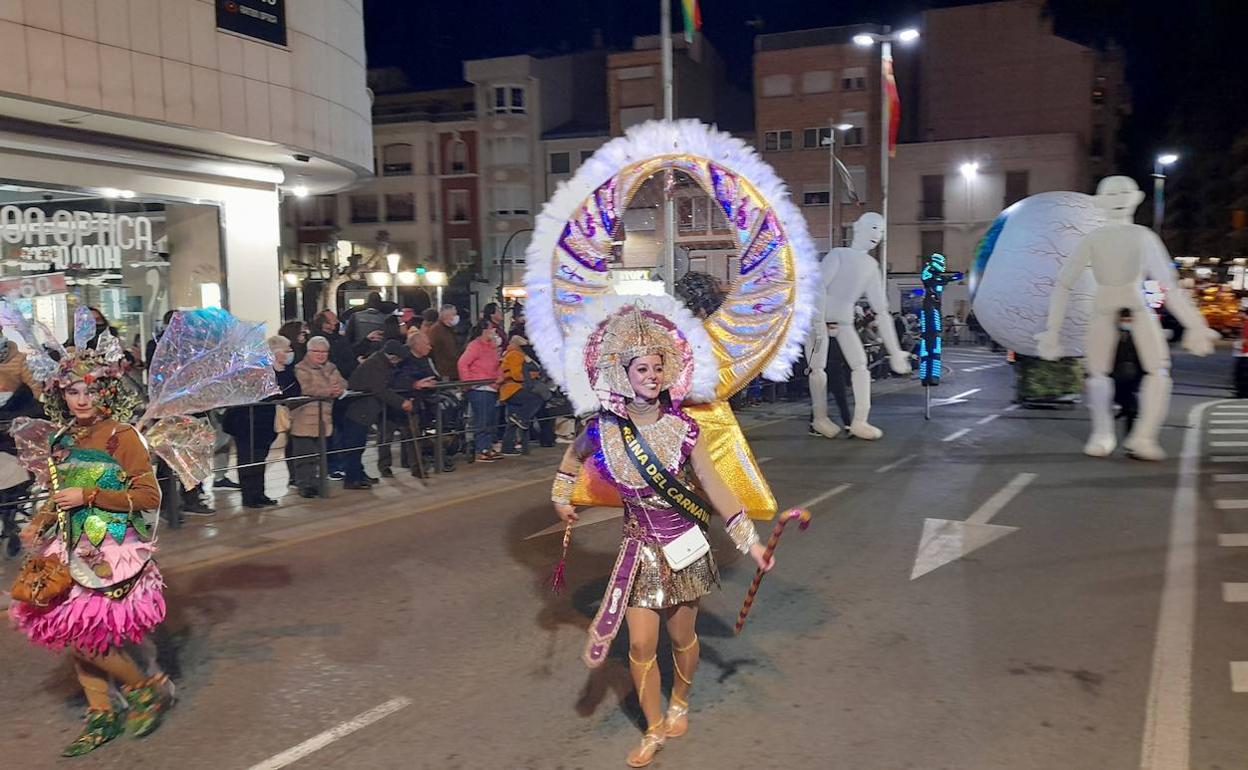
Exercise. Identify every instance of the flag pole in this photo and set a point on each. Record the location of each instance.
(669, 205)
(886, 58)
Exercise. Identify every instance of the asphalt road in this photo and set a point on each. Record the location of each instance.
(1101, 630)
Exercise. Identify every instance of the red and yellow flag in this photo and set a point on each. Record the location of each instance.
(894, 106)
(693, 18)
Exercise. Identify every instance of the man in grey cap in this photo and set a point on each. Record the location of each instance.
(372, 379)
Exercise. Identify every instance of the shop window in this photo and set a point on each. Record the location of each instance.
(400, 207)
(459, 206)
(396, 159)
(560, 162)
(814, 138)
(778, 85)
(364, 209)
(854, 79)
(1016, 184)
(509, 100)
(932, 207)
(777, 140)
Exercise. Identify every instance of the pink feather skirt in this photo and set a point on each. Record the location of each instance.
(87, 619)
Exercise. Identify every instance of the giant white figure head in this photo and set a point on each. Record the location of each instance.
(1119, 197)
(1016, 268)
(868, 231)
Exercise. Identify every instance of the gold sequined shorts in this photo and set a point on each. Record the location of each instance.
(657, 587)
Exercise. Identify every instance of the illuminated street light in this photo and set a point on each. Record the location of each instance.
(969, 170)
(1159, 188)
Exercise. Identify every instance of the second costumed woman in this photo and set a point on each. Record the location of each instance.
(640, 360)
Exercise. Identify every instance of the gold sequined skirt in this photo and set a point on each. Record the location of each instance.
(657, 587)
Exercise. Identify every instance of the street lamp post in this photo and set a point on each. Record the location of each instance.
(833, 203)
(1159, 188)
(504, 262)
(886, 40)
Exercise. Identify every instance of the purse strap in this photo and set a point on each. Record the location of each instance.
(685, 501)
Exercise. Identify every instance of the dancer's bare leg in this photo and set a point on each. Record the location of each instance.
(643, 643)
(681, 629)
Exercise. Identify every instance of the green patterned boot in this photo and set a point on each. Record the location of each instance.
(102, 727)
(148, 704)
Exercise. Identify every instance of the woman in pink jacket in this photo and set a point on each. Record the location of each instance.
(480, 361)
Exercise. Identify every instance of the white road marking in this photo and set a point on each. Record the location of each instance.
(1228, 458)
(1229, 431)
(895, 464)
(958, 399)
(1236, 593)
(1228, 444)
(586, 517)
(1230, 478)
(957, 434)
(1230, 505)
(1011, 407)
(834, 491)
(944, 541)
(992, 417)
(318, 742)
(1166, 743)
(1239, 676)
(1233, 540)
(1229, 421)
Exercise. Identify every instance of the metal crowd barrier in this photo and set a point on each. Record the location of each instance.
(439, 433)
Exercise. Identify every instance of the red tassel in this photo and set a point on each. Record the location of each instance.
(558, 579)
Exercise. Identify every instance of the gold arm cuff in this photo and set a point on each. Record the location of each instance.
(742, 532)
(561, 490)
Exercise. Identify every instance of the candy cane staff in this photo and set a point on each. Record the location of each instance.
(640, 358)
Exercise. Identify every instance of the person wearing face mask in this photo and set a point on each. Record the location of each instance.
(446, 349)
(1127, 373)
(480, 361)
(253, 426)
(101, 325)
(318, 378)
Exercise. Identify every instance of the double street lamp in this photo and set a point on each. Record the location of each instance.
(1159, 188)
(885, 40)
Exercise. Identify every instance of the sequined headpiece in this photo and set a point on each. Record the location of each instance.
(620, 329)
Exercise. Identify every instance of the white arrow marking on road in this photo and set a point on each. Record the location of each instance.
(961, 398)
(944, 541)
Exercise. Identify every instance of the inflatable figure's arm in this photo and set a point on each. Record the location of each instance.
(1199, 337)
(899, 360)
(1049, 341)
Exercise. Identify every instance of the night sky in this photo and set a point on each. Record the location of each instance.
(1186, 62)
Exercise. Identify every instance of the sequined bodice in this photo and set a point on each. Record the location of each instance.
(96, 468)
(666, 437)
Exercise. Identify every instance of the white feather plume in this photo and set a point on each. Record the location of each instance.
(640, 142)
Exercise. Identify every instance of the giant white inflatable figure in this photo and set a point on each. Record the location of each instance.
(1017, 263)
(1122, 256)
(845, 275)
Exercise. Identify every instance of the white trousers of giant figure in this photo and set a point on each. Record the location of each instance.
(1121, 256)
(855, 356)
(846, 275)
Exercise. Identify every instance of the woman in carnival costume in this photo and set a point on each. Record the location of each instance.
(664, 443)
(640, 362)
(100, 523)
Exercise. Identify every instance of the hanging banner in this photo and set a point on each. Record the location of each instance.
(263, 20)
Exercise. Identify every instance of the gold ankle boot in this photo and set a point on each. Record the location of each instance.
(651, 742)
